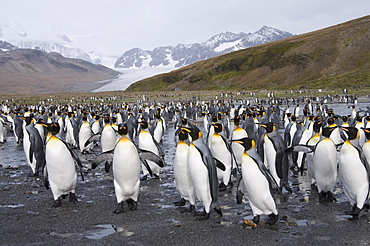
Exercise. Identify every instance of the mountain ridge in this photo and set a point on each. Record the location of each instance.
(185, 54)
(336, 56)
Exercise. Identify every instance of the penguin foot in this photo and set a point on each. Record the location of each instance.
(322, 197)
(57, 203)
(330, 197)
(72, 197)
(145, 177)
(132, 205)
(230, 185)
(256, 219)
(287, 187)
(222, 187)
(189, 210)
(202, 216)
(181, 203)
(218, 210)
(239, 197)
(119, 208)
(156, 176)
(354, 212)
(314, 187)
(272, 219)
(326, 197)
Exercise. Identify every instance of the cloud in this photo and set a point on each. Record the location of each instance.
(114, 26)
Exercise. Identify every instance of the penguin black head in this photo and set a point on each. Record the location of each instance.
(352, 132)
(218, 127)
(237, 120)
(247, 143)
(367, 133)
(331, 121)
(326, 131)
(269, 126)
(184, 121)
(53, 128)
(317, 126)
(144, 124)
(183, 135)
(122, 129)
(193, 132)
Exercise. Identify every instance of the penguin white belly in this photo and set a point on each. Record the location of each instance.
(270, 158)
(126, 171)
(336, 137)
(26, 148)
(70, 135)
(158, 132)
(310, 161)
(41, 131)
(199, 177)
(60, 167)
(366, 151)
(238, 149)
(221, 153)
(83, 135)
(325, 165)
(257, 187)
(108, 139)
(305, 137)
(146, 143)
(2, 132)
(95, 128)
(353, 175)
(181, 170)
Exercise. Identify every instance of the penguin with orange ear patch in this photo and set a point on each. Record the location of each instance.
(354, 172)
(258, 184)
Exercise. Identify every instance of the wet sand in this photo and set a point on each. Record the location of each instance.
(27, 218)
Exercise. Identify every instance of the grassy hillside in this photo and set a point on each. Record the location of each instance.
(334, 57)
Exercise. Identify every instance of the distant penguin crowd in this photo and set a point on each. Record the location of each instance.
(220, 144)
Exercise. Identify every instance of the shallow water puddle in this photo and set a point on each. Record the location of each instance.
(12, 206)
(106, 230)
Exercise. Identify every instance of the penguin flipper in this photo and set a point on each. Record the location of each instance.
(301, 148)
(148, 155)
(147, 166)
(219, 164)
(94, 138)
(105, 156)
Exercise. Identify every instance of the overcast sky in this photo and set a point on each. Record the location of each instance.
(113, 26)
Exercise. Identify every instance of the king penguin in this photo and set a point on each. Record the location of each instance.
(203, 173)
(325, 165)
(60, 167)
(84, 134)
(274, 155)
(126, 170)
(354, 172)
(222, 154)
(258, 184)
(33, 146)
(238, 133)
(148, 143)
(183, 182)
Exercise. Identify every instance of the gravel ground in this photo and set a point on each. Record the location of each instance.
(27, 218)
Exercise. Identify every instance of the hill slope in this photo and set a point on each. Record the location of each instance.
(334, 57)
(27, 71)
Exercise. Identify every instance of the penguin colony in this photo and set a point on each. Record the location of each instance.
(218, 144)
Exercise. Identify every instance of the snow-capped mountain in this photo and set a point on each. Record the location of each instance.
(185, 54)
(57, 41)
